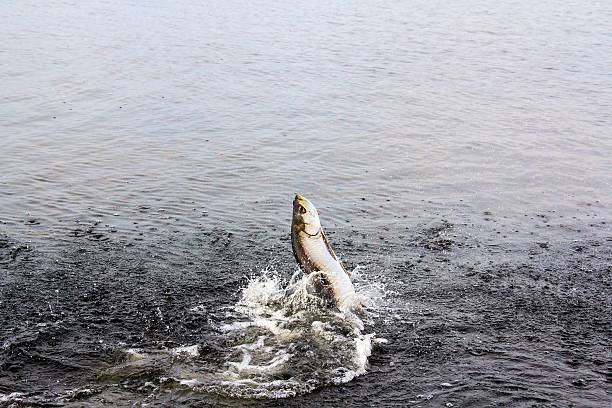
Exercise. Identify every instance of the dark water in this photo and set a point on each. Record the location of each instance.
(460, 155)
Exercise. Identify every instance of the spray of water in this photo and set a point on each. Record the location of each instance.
(279, 340)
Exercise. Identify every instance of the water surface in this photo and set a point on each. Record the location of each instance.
(460, 155)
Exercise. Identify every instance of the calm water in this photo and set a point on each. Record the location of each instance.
(460, 155)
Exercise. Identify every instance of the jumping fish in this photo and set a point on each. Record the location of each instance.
(314, 254)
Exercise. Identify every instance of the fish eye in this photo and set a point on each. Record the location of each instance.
(302, 210)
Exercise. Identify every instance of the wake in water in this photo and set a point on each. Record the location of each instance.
(280, 340)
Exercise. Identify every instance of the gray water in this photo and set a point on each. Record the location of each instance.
(459, 153)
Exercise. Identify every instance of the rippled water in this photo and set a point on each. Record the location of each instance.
(460, 155)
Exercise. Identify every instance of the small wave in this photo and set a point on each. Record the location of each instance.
(22, 399)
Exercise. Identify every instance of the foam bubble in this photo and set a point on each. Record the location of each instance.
(191, 351)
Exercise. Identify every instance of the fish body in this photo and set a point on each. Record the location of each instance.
(314, 254)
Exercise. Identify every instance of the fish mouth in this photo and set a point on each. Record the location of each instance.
(300, 199)
(302, 204)
(303, 201)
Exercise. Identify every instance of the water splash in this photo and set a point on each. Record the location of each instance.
(284, 340)
(279, 340)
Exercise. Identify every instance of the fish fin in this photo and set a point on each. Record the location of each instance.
(333, 254)
(329, 248)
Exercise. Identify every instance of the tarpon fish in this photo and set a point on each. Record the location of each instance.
(315, 255)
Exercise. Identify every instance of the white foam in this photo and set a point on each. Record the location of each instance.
(194, 382)
(199, 309)
(286, 311)
(343, 375)
(282, 329)
(133, 354)
(244, 366)
(192, 351)
(363, 350)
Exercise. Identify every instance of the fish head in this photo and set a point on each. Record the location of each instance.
(305, 215)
